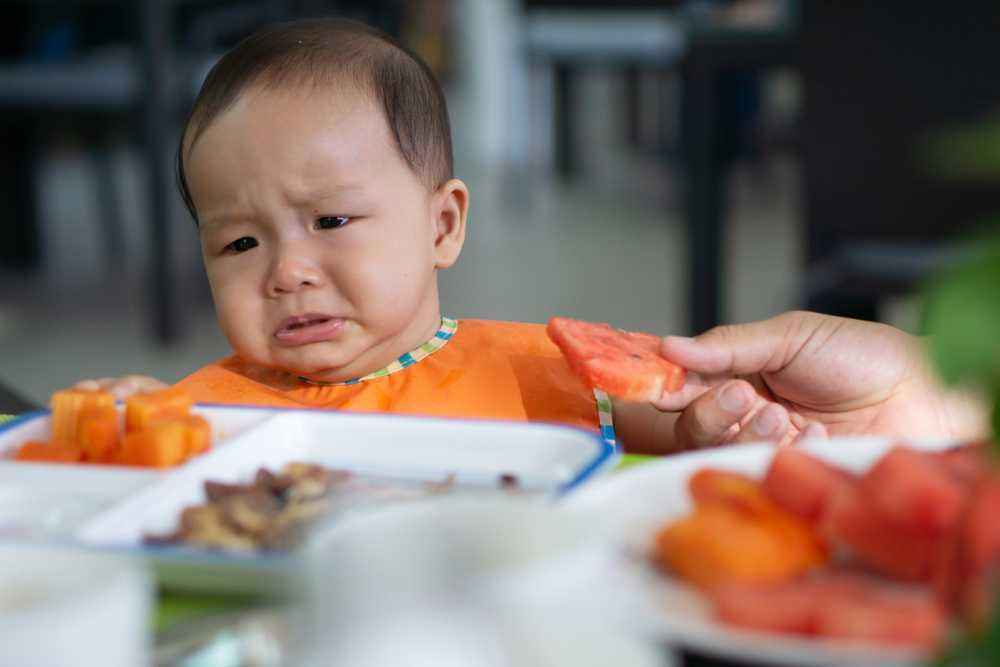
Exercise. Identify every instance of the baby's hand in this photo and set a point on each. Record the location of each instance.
(122, 387)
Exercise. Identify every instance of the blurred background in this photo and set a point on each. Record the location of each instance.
(661, 165)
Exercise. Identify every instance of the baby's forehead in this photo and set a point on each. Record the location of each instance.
(299, 141)
(283, 118)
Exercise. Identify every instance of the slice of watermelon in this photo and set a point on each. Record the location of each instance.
(912, 490)
(625, 365)
(784, 608)
(839, 605)
(804, 484)
(966, 463)
(884, 613)
(978, 554)
(851, 521)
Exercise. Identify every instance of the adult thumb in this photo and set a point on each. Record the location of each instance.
(741, 349)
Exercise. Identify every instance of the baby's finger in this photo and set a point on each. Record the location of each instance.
(769, 424)
(134, 384)
(98, 384)
(712, 418)
(87, 385)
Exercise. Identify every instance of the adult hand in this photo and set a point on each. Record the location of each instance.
(808, 375)
(122, 387)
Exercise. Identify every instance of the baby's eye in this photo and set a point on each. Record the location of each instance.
(242, 244)
(331, 221)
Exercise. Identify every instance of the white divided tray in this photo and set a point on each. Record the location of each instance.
(546, 460)
(50, 501)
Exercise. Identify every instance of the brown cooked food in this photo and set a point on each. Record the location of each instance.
(275, 511)
(271, 513)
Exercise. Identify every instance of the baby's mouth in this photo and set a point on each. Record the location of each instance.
(308, 328)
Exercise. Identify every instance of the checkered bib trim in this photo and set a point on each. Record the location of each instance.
(444, 333)
(604, 416)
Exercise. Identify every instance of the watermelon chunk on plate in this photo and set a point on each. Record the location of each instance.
(882, 612)
(912, 490)
(852, 522)
(803, 484)
(624, 364)
(837, 605)
(966, 463)
(786, 608)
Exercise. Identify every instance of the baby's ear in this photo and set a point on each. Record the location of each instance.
(450, 209)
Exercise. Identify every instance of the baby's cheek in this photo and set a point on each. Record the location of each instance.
(398, 292)
(240, 322)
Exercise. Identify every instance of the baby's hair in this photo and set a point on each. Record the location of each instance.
(318, 52)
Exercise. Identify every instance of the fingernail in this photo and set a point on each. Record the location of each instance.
(680, 339)
(733, 398)
(766, 423)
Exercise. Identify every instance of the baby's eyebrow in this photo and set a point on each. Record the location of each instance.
(330, 192)
(217, 220)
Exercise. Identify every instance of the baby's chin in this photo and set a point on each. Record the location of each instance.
(320, 366)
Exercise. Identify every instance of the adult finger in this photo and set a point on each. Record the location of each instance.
(675, 401)
(742, 349)
(769, 423)
(714, 417)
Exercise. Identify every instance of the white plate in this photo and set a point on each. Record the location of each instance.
(43, 500)
(637, 502)
(546, 459)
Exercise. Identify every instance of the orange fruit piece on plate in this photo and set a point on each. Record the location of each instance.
(719, 545)
(48, 452)
(161, 445)
(141, 410)
(199, 432)
(98, 434)
(737, 534)
(747, 496)
(736, 490)
(624, 364)
(68, 404)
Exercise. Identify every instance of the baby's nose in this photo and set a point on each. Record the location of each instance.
(291, 274)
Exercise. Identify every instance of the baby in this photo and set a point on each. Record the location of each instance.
(317, 164)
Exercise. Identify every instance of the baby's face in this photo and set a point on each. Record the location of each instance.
(320, 243)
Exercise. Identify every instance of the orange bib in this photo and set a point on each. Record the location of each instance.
(485, 369)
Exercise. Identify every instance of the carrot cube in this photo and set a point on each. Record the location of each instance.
(199, 435)
(198, 430)
(161, 445)
(48, 452)
(68, 404)
(141, 410)
(97, 434)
